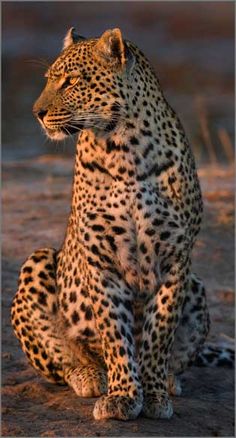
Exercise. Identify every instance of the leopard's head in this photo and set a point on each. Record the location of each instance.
(87, 86)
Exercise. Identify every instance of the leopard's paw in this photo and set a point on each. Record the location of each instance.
(119, 407)
(87, 381)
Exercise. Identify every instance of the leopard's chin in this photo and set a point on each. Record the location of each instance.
(56, 135)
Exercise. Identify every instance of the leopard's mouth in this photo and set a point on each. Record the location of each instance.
(60, 133)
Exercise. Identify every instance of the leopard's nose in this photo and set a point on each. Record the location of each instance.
(40, 114)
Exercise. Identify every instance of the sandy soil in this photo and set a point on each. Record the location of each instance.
(36, 199)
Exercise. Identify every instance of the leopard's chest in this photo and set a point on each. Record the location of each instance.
(107, 230)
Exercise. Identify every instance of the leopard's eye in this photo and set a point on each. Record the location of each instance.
(69, 81)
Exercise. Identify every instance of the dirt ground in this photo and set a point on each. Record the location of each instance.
(36, 199)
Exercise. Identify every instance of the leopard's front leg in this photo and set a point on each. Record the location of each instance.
(112, 307)
(161, 317)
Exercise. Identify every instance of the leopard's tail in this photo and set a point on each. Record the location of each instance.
(214, 355)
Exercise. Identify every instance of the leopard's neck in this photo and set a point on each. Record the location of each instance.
(139, 147)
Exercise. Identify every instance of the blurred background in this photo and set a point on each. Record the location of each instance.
(190, 44)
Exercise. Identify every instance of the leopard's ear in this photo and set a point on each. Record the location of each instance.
(112, 49)
(72, 37)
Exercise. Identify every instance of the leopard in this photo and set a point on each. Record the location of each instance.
(116, 313)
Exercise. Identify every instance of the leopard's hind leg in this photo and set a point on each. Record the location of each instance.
(190, 334)
(36, 322)
(34, 313)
